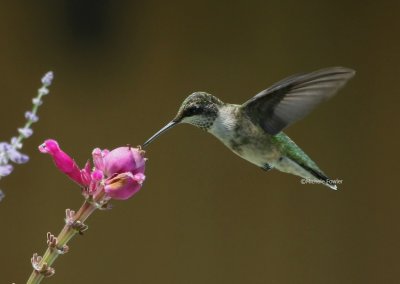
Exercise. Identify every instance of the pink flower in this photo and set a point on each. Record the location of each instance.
(117, 174)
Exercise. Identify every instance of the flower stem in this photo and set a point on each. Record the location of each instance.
(73, 225)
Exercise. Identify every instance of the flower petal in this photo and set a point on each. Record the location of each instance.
(5, 170)
(97, 175)
(4, 146)
(85, 174)
(17, 157)
(62, 161)
(123, 186)
(124, 159)
(95, 183)
(98, 158)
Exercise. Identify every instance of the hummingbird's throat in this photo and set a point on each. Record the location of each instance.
(201, 122)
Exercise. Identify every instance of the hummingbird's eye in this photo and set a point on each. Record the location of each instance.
(193, 110)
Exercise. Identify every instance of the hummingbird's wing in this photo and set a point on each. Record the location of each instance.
(291, 99)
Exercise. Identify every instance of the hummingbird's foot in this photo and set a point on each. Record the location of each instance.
(267, 167)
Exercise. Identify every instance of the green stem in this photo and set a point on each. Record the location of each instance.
(66, 234)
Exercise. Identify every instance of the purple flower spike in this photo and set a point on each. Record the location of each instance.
(9, 152)
(63, 162)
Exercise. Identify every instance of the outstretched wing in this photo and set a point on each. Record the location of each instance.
(291, 99)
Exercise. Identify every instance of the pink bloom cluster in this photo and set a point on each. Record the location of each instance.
(118, 174)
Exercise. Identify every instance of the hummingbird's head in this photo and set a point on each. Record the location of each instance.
(199, 109)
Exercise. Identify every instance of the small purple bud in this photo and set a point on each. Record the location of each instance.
(17, 157)
(5, 170)
(31, 116)
(16, 143)
(4, 146)
(48, 78)
(44, 91)
(25, 132)
(37, 101)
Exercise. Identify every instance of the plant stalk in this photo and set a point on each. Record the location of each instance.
(66, 234)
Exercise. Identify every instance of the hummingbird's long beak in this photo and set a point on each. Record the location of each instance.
(159, 132)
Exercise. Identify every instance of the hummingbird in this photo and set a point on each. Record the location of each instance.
(253, 130)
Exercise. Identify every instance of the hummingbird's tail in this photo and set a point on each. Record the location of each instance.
(295, 161)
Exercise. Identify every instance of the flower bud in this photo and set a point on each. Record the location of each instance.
(63, 162)
(48, 78)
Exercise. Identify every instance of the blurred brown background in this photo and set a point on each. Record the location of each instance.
(204, 215)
